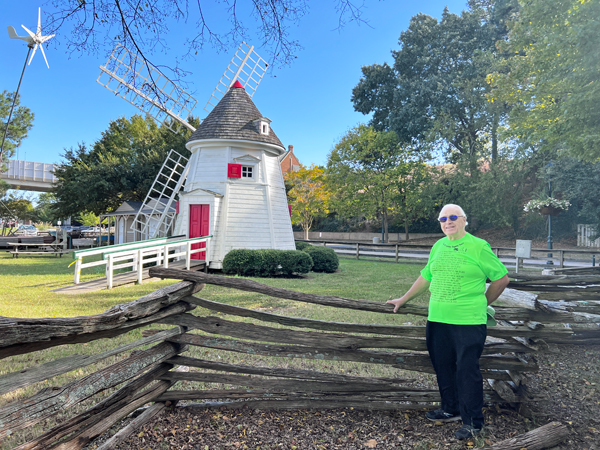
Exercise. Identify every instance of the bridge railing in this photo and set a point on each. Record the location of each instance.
(30, 171)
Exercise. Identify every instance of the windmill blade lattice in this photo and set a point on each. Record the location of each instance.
(246, 66)
(147, 88)
(157, 213)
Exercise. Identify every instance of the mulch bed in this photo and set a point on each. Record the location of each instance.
(569, 378)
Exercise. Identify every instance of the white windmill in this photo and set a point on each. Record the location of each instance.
(34, 40)
(234, 189)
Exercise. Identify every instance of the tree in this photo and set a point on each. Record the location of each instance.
(435, 90)
(552, 78)
(370, 173)
(15, 207)
(45, 209)
(307, 196)
(144, 26)
(120, 166)
(20, 123)
(571, 179)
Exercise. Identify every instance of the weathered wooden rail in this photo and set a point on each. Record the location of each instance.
(148, 375)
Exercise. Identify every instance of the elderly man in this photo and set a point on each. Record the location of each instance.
(456, 273)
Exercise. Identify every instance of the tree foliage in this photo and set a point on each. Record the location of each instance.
(20, 123)
(371, 174)
(552, 77)
(307, 195)
(435, 90)
(120, 166)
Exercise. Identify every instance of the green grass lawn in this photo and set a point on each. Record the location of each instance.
(26, 283)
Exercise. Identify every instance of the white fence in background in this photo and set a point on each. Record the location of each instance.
(584, 234)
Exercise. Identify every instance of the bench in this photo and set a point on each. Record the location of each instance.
(83, 242)
(38, 248)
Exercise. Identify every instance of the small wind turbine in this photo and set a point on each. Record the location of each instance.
(33, 42)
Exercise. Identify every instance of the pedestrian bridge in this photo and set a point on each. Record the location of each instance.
(29, 175)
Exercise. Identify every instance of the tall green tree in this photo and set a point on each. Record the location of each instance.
(552, 79)
(20, 123)
(435, 90)
(370, 174)
(120, 166)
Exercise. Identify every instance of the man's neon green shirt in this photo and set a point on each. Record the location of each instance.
(458, 271)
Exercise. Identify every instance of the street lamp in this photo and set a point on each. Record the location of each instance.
(548, 169)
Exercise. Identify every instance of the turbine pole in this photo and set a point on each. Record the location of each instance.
(13, 105)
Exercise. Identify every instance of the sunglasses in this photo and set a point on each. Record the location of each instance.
(452, 218)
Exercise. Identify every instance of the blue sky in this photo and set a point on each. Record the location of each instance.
(308, 101)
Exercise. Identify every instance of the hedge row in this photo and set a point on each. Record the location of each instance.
(266, 263)
(269, 262)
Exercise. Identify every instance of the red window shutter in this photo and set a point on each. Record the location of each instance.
(290, 208)
(234, 170)
(177, 207)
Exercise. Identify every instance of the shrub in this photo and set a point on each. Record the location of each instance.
(266, 262)
(242, 262)
(301, 245)
(324, 259)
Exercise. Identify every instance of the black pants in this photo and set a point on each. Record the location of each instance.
(454, 351)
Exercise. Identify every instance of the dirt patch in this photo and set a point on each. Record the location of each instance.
(569, 377)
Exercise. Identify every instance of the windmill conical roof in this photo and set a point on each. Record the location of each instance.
(234, 118)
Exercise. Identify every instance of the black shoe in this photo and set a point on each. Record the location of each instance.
(439, 415)
(466, 432)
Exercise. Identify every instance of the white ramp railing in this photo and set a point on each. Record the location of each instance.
(136, 255)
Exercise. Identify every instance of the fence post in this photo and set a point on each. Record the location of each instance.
(109, 272)
(562, 259)
(206, 250)
(140, 269)
(396, 252)
(188, 249)
(166, 256)
(78, 270)
(357, 250)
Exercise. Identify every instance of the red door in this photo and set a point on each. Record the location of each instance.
(199, 226)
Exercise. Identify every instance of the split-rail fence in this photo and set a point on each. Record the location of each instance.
(149, 368)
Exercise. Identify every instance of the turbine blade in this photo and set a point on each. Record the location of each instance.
(32, 53)
(39, 29)
(45, 38)
(42, 49)
(29, 31)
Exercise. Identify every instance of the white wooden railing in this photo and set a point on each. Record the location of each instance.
(135, 255)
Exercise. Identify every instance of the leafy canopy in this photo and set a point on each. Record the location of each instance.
(435, 90)
(370, 174)
(120, 166)
(551, 80)
(20, 123)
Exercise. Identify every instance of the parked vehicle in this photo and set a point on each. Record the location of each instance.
(26, 230)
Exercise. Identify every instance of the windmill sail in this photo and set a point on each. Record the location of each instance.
(147, 88)
(155, 217)
(247, 67)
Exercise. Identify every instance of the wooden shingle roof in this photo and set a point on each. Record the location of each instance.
(233, 118)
